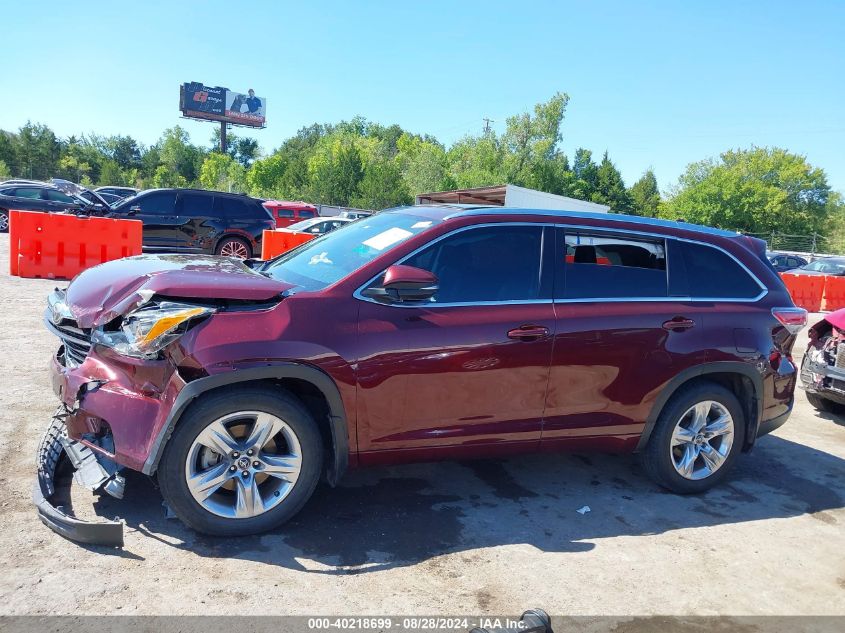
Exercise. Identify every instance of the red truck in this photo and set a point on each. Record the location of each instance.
(285, 212)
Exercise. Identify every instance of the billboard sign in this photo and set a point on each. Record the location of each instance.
(221, 104)
(245, 108)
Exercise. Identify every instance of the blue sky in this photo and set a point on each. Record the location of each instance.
(656, 84)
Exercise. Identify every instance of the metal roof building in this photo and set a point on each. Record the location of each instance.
(511, 196)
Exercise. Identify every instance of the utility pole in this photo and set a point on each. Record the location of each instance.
(487, 123)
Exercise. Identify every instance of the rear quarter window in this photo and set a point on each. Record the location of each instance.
(701, 271)
(240, 209)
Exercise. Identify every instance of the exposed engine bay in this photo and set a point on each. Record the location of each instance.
(823, 368)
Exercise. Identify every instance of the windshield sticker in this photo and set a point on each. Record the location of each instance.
(422, 225)
(387, 238)
(322, 258)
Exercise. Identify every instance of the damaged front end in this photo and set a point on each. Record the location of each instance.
(823, 369)
(56, 454)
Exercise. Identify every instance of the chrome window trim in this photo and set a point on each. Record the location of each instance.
(676, 299)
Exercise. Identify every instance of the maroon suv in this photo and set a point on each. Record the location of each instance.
(416, 334)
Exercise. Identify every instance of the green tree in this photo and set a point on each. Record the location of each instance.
(38, 151)
(5, 172)
(166, 177)
(112, 174)
(645, 196)
(178, 154)
(382, 186)
(423, 164)
(585, 174)
(124, 151)
(8, 152)
(531, 142)
(222, 173)
(759, 190)
(610, 188)
(476, 161)
(335, 170)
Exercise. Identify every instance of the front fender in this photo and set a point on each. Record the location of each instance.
(337, 416)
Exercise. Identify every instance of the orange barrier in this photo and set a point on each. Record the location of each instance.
(54, 245)
(807, 291)
(277, 242)
(834, 293)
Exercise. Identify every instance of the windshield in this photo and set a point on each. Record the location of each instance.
(327, 259)
(304, 224)
(829, 266)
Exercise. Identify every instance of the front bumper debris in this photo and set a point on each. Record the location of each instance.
(53, 451)
(825, 380)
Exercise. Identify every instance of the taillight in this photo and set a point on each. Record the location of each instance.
(793, 319)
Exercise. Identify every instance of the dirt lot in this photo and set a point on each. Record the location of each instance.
(489, 536)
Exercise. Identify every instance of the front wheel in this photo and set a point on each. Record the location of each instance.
(4, 221)
(696, 439)
(241, 462)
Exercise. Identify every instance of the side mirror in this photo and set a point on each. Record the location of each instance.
(403, 284)
(134, 209)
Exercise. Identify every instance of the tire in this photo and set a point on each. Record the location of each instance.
(661, 455)
(181, 456)
(234, 247)
(4, 221)
(821, 403)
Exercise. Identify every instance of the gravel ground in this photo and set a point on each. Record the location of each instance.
(479, 537)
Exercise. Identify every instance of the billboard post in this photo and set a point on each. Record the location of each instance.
(223, 137)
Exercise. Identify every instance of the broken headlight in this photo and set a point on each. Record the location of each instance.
(148, 330)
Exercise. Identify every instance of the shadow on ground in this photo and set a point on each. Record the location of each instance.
(399, 516)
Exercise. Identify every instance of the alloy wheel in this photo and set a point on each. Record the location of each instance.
(234, 248)
(4, 221)
(243, 464)
(702, 440)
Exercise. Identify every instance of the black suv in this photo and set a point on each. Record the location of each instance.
(198, 221)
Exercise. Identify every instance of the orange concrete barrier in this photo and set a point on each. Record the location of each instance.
(59, 246)
(807, 291)
(834, 293)
(277, 242)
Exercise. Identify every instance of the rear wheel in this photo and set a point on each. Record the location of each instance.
(241, 462)
(696, 440)
(4, 221)
(234, 247)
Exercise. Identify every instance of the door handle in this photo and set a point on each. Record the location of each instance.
(528, 332)
(678, 324)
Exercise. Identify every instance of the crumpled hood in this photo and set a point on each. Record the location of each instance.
(99, 294)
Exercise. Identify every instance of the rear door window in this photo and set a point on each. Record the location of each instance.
(307, 214)
(196, 205)
(58, 196)
(603, 266)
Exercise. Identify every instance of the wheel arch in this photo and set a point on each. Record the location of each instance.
(740, 378)
(314, 387)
